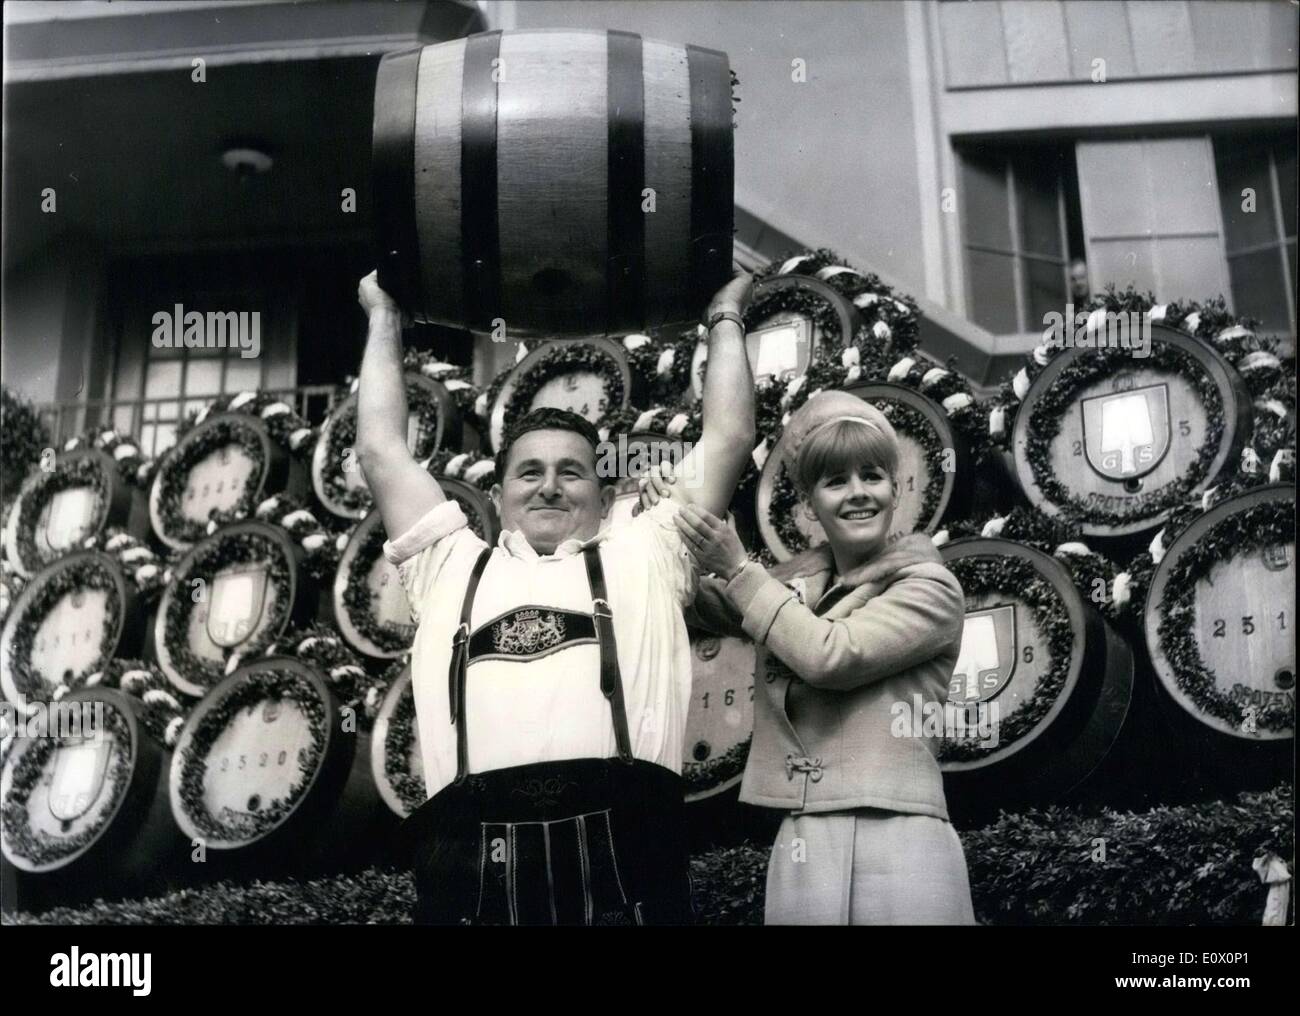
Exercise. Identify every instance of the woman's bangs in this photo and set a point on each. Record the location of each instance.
(844, 447)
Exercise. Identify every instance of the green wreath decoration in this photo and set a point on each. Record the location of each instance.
(133, 466)
(1244, 532)
(175, 473)
(278, 685)
(240, 548)
(342, 436)
(357, 594)
(979, 575)
(283, 424)
(322, 647)
(1050, 411)
(88, 574)
(402, 732)
(78, 473)
(566, 359)
(1093, 574)
(25, 439)
(875, 301)
(42, 849)
(162, 715)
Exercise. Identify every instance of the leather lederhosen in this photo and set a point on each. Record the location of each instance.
(580, 841)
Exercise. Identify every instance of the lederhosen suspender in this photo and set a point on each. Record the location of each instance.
(611, 684)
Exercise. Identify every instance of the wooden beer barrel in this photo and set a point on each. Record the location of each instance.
(370, 604)
(513, 173)
(589, 377)
(235, 592)
(1115, 442)
(57, 510)
(85, 813)
(395, 758)
(1041, 687)
(433, 422)
(789, 319)
(266, 774)
(71, 619)
(1220, 616)
(931, 481)
(720, 720)
(228, 463)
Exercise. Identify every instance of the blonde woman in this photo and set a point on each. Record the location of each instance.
(849, 634)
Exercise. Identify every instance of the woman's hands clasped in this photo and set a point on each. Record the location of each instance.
(712, 543)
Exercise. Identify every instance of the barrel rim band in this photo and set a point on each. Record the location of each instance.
(392, 174)
(625, 103)
(479, 222)
(712, 214)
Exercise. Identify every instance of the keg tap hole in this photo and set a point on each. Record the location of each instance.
(1132, 485)
(1284, 678)
(701, 751)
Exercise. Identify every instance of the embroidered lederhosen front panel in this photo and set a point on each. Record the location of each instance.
(529, 633)
(559, 872)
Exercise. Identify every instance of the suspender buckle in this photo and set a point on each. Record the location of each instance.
(600, 608)
(461, 636)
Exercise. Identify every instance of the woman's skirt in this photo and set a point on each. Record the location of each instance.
(867, 866)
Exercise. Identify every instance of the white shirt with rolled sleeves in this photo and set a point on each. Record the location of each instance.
(549, 708)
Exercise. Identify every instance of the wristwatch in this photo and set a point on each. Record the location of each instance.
(724, 315)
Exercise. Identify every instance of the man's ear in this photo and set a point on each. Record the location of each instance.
(607, 495)
(495, 495)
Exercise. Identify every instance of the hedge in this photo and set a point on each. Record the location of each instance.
(1173, 865)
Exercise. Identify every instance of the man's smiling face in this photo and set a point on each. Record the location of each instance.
(550, 492)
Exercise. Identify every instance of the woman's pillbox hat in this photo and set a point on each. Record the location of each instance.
(825, 408)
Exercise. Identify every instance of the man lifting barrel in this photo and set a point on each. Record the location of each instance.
(551, 672)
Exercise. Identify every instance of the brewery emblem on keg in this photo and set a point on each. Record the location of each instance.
(238, 596)
(66, 519)
(1126, 433)
(78, 777)
(988, 655)
(780, 351)
(1275, 558)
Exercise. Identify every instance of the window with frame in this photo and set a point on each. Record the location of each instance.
(1020, 220)
(188, 379)
(1257, 192)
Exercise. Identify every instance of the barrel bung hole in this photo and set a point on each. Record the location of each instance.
(254, 802)
(701, 751)
(1284, 678)
(551, 282)
(1132, 485)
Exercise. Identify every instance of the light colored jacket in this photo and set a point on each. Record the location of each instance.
(888, 632)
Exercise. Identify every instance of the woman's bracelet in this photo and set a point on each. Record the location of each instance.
(743, 565)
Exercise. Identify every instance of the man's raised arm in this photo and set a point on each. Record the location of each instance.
(709, 474)
(403, 490)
